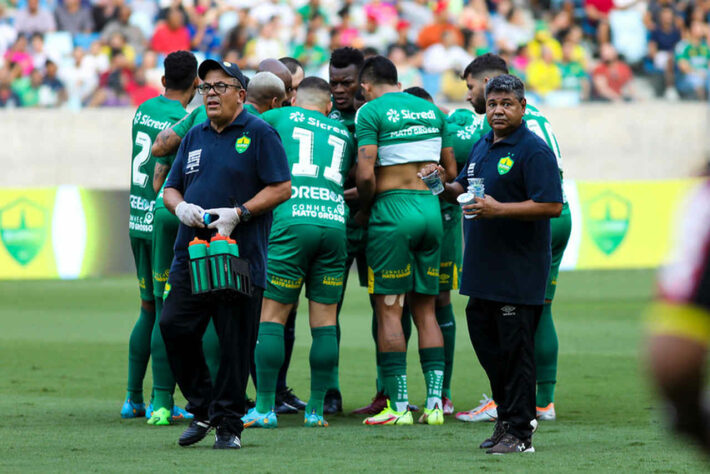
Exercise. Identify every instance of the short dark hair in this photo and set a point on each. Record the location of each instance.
(369, 51)
(313, 82)
(180, 70)
(344, 57)
(378, 70)
(485, 63)
(419, 92)
(292, 64)
(506, 83)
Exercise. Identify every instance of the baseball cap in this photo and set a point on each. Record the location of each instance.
(230, 68)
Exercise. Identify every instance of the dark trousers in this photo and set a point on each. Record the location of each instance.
(183, 322)
(503, 336)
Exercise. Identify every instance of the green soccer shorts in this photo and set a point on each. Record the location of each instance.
(560, 229)
(142, 256)
(357, 245)
(404, 243)
(306, 253)
(165, 228)
(451, 248)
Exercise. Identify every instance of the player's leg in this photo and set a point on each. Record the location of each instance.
(286, 400)
(427, 260)
(285, 272)
(324, 287)
(139, 342)
(546, 342)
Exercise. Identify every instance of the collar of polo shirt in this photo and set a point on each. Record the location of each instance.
(240, 121)
(511, 139)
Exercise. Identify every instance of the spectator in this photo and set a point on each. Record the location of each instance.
(73, 17)
(580, 53)
(265, 45)
(446, 55)
(511, 28)
(96, 60)
(432, 33)
(310, 54)
(403, 32)
(474, 16)
(543, 39)
(597, 19)
(652, 18)
(204, 30)
(408, 75)
(103, 12)
(310, 9)
(117, 44)
(692, 58)
(19, 55)
(34, 19)
(8, 97)
(171, 35)
(662, 42)
(153, 73)
(8, 33)
(543, 75)
(417, 13)
(113, 83)
(52, 92)
(377, 36)
(612, 77)
(236, 41)
(139, 90)
(27, 88)
(80, 78)
(39, 57)
(132, 34)
(574, 78)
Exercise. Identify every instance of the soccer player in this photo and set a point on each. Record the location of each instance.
(277, 67)
(397, 133)
(264, 92)
(154, 115)
(477, 74)
(307, 245)
(680, 324)
(296, 69)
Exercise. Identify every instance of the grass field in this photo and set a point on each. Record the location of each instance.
(63, 351)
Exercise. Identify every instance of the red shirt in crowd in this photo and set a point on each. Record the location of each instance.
(166, 40)
(604, 6)
(617, 74)
(141, 93)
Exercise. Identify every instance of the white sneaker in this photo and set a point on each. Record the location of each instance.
(486, 411)
(547, 413)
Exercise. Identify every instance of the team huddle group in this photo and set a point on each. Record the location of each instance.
(356, 148)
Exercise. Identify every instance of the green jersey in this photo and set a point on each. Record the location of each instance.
(698, 56)
(461, 127)
(405, 128)
(199, 115)
(252, 110)
(347, 118)
(320, 153)
(153, 116)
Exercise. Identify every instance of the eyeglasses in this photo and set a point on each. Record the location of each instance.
(219, 88)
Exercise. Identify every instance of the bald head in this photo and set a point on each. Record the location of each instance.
(266, 91)
(278, 68)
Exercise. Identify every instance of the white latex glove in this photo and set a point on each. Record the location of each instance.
(190, 214)
(227, 220)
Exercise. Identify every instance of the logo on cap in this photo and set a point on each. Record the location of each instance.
(227, 64)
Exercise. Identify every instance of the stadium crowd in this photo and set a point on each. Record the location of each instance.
(110, 52)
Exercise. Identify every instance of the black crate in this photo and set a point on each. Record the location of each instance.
(226, 275)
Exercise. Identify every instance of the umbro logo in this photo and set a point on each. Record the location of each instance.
(508, 310)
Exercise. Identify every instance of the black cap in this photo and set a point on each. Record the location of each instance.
(230, 68)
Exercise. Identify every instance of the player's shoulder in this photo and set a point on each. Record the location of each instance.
(461, 117)
(535, 145)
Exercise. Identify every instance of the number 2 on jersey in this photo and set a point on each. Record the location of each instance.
(145, 143)
(305, 165)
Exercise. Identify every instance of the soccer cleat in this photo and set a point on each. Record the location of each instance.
(314, 420)
(378, 403)
(254, 419)
(160, 417)
(510, 444)
(181, 414)
(149, 411)
(498, 433)
(486, 411)
(435, 416)
(131, 409)
(287, 402)
(333, 402)
(195, 433)
(390, 417)
(448, 406)
(224, 439)
(547, 413)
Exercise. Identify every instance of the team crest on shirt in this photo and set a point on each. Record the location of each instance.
(242, 144)
(505, 164)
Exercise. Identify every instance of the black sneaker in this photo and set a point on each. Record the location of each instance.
(510, 444)
(286, 396)
(224, 439)
(495, 438)
(333, 402)
(194, 433)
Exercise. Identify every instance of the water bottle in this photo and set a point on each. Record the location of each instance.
(200, 274)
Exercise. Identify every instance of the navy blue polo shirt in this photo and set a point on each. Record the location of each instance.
(225, 169)
(508, 260)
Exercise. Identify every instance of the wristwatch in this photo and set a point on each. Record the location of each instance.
(245, 214)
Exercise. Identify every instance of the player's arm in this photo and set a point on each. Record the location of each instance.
(452, 188)
(166, 143)
(160, 174)
(366, 181)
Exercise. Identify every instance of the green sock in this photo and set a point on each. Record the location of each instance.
(323, 356)
(432, 360)
(139, 353)
(210, 347)
(447, 323)
(335, 378)
(394, 369)
(268, 357)
(546, 349)
(380, 381)
(163, 380)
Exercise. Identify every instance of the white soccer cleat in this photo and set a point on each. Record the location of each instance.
(486, 411)
(547, 413)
